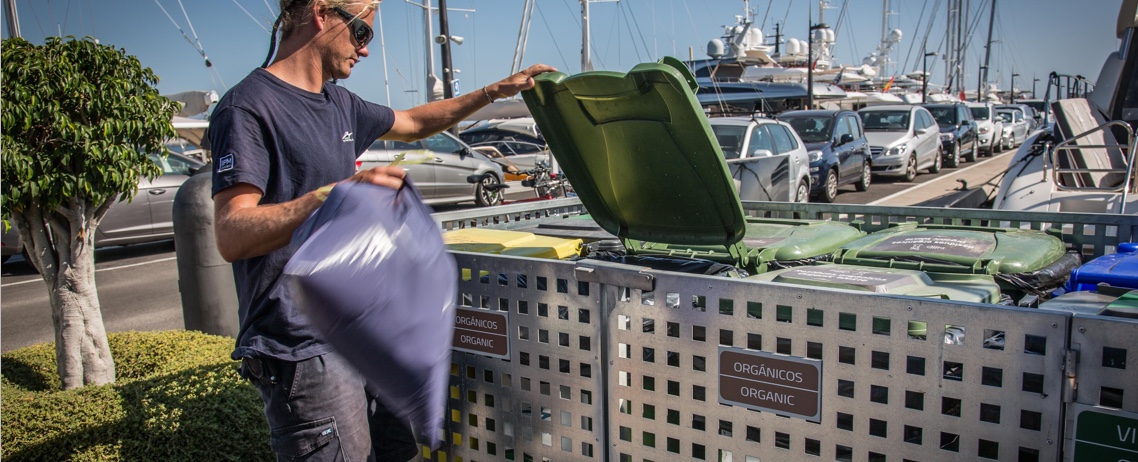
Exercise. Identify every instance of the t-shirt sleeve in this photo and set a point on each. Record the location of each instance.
(239, 152)
(372, 121)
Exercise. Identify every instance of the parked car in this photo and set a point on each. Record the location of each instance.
(957, 131)
(1016, 126)
(903, 140)
(989, 128)
(1029, 114)
(839, 152)
(765, 157)
(439, 166)
(519, 140)
(146, 218)
(1042, 112)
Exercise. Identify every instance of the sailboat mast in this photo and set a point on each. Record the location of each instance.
(12, 18)
(988, 48)
(430, 64)
(586, 61)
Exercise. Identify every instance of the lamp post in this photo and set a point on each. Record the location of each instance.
(980, 84)
(925, 75)
(1014, 75)
(810, 64)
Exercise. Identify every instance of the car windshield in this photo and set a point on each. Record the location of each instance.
(885, 120)
(730, 138)
(981, 113)
(1004, 116)
(1037, 105)
(812, 129)
(944, 115)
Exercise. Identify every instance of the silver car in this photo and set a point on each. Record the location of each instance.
(989, 127)
(440, 166)
(903, 140)
(766, 158)
(1016, 126)
(146, 218)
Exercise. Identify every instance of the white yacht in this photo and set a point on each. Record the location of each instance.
(1085, 162)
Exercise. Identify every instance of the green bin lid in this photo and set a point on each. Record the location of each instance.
(955, 249)
(977, 288)
(774, 239)
(641, 155)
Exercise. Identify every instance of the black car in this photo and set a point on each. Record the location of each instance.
(958, 132)
(839, 153)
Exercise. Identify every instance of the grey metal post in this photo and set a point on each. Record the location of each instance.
(205, 280)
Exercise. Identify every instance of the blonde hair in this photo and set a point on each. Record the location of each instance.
(294, 13)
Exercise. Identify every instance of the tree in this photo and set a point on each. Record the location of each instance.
(78, 120)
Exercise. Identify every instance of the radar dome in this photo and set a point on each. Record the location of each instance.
(754, 37)
(715, 48)
(829, 35)
(895, 35)
(794, 47)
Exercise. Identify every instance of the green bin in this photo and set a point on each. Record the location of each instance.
(1023, 261)
(642, 158)
(977, 288)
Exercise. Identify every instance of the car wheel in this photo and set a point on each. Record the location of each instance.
(954, 158)
(911, 168)
(830, 187)
(484, 193)
(971, 157)
(866, 172)
(936, 162)
(802, 194)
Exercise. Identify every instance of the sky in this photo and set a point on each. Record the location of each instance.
(1031, 37)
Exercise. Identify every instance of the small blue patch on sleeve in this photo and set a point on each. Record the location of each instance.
(225, 163)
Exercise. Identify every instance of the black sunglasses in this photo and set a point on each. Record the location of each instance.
(361, 32)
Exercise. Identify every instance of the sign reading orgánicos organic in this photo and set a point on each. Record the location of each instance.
(785, 385)
(481, 332)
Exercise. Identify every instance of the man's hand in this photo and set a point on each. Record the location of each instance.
(390, 176)
(519, 82)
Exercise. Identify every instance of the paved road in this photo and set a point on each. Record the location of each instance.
(138, 285)
(138, 290)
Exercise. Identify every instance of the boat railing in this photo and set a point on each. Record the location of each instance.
(1073, 170)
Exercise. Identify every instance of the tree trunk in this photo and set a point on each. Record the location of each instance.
(83, 356)
(66, 261)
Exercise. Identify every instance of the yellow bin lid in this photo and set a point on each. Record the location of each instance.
(517, 243)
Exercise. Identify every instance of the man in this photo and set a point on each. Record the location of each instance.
(281, 138)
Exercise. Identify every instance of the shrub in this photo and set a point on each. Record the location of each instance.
(178, 397)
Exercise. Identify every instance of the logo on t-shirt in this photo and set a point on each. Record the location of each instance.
(348, 137)
(225, 163)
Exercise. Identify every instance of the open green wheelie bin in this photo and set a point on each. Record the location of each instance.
(1025, 262)
(642, 158)
(977, 288)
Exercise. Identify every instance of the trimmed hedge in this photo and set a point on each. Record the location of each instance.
(177, 397)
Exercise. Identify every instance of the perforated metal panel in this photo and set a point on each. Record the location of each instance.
(884, 393)
(1105, 369)
(547, 400)
(611, 362)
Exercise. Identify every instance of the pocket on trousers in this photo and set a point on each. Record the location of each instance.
(305, 439)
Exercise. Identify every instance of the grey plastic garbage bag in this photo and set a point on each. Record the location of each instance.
(372, 274)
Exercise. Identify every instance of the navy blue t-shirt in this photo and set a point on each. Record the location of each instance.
(287, 142)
